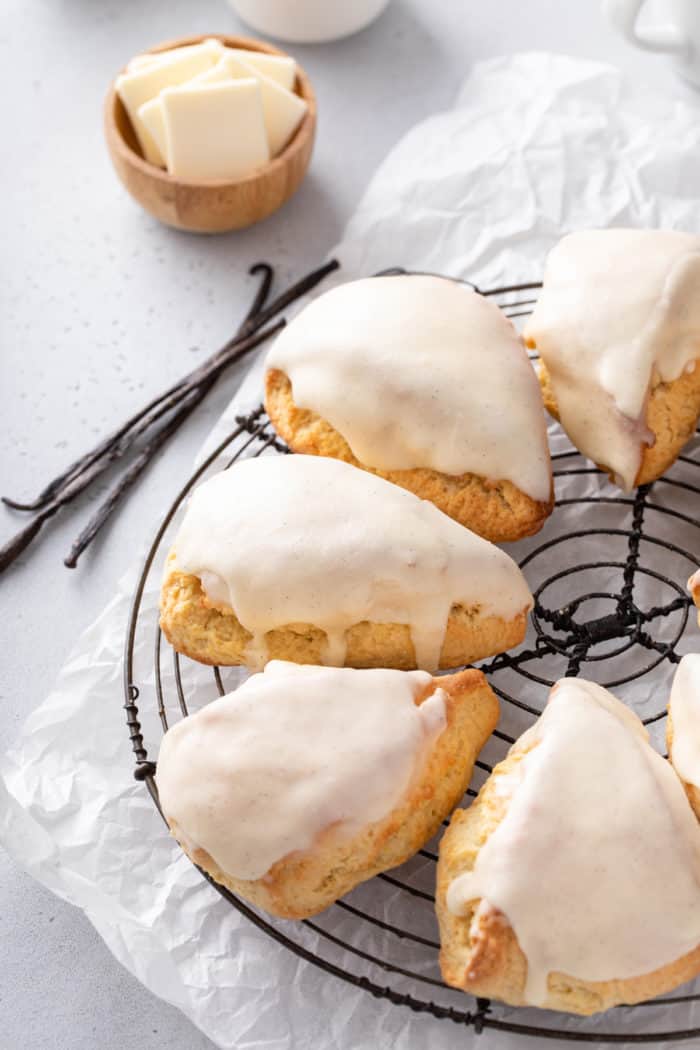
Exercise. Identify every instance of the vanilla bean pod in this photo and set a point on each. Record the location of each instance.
(294, 292)
(147, 415)
(131, 475)
(187, 406)
(21, 540)
(262, 293)
(132, 428)
(202, 379)
(180, 399)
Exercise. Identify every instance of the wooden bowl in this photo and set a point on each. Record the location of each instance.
(221, 205)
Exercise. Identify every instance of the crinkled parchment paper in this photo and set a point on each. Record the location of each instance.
(536, 145)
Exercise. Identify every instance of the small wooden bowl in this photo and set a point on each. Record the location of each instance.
(211, 207)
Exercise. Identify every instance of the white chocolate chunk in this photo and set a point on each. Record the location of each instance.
(214, 131)
(151, 112)
(142, 61)
(227, 68)
(283, 110)
(280, 68)
(137, 86)
(151, 58)
(152, 117)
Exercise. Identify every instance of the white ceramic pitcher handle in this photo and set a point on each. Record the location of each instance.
(665, 37)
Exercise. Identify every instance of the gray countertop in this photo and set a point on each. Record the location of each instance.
(101, 306)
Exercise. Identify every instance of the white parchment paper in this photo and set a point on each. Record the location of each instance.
(535, 145)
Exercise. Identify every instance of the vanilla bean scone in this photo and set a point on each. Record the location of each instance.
(309, 780)
(422, 381)
(573, 881)
(617, 328)
(683, 727)
(309, 559)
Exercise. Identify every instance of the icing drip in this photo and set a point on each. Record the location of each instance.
(618, 307)
(684, 707)
(596, 864)
(296, 750)
(418, 371)
(308, 540)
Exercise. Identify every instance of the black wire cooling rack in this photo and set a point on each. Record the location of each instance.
(608, 573)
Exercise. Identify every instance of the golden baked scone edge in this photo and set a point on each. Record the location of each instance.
(480, 953)
(303, 884)
(500, 512)
(672, 415)
(214, 635)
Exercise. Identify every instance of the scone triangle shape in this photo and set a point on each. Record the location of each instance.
(311, 560)
(309, 780)
(617, 328)
(424, 381)
(573, 881)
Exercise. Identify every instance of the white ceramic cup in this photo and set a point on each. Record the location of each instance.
(678, 34)
(308, 21)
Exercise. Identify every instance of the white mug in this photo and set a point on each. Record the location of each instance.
(677, 35)
(308, 21)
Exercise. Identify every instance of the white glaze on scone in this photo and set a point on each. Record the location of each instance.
(596, 864)
(617, 308)
(418, 371)
(261, 773)
(684, 708)
(302, 539)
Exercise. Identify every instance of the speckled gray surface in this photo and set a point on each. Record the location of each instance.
(100, 306)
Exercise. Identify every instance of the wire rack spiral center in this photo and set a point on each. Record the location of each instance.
(608, 573)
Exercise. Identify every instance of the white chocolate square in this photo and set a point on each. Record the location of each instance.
(150, 58)
(214, 131)
(152, 117)
(283, 110)
(280, 68)
(140, 85)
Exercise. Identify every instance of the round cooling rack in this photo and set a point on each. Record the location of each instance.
(608, 572)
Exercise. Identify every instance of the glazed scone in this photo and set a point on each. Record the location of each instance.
(500, 512)
(683, 727)
(672, 411)
(617, 328)
(573, 881)
(309, 559)
(309, 780)
(424, 382)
